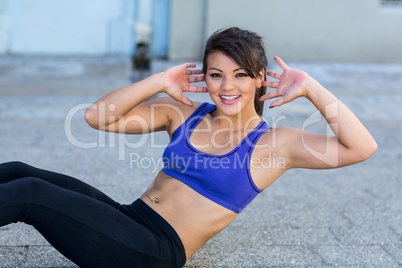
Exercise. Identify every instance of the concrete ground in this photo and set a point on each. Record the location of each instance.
(348, 217)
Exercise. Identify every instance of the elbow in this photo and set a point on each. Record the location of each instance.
(373, 147)
(90, 116)
(369, 150)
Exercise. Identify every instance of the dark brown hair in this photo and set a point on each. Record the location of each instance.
(246, 49)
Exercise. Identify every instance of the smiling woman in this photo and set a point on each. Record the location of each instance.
(229, 86)
(247, 52)
(220, 157)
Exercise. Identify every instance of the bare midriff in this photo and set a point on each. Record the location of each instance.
(195, 218)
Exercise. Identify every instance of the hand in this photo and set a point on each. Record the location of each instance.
(291, 84)
(179, 79)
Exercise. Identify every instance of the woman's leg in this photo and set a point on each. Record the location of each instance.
(15, 170)
(85, 230)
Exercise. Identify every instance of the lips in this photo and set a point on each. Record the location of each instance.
(229, 99)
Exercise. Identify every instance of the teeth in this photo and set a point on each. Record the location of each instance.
(229, 98)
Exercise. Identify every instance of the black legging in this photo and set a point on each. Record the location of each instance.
(85, 225)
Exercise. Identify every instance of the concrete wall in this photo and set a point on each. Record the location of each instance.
(187, 29)
(308, 30)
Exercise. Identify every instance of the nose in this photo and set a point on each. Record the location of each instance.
(228, 84)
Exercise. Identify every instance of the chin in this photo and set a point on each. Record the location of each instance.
(229, 110)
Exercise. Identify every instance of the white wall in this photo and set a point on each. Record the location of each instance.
(308, 30)
(67, 27)
(63, 27)
(4, 26)
(76, 27)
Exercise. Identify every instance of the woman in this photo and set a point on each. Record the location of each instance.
(214, 165)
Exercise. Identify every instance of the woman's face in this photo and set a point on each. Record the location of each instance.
(229, 86)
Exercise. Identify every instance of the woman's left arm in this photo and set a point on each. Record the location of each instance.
(352, 142)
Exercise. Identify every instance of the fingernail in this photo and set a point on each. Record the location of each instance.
(271, 106)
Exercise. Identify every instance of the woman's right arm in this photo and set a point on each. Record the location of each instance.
(125, 110)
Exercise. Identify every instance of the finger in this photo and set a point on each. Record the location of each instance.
(186, 101)
(270, 95)
(279, 102)
(270, 84)
(194, 79)
(197, 89)
(190, 65)
(276, 103)
(281, 63)
(274, 75)
(193, 71)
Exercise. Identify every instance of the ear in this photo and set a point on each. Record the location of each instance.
(262, 73)
(260, 78)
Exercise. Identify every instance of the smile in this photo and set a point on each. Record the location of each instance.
(229, 99)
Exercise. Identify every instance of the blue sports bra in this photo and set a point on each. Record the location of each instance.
(224, 179)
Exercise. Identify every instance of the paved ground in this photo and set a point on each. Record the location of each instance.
(349, 217)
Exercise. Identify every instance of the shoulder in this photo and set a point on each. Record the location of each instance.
(171, 107)
(176, 111)
(277, 140)
(282, 133)
(269, 160)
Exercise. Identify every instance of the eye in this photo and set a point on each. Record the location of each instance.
(215, 75)
(241, 75)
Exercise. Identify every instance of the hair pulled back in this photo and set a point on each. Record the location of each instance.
(246, 49)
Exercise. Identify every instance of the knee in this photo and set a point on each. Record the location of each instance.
(13, 165)
(31, 182)
(23, 186)
(13, 170)
(29, 186)
(28, 192)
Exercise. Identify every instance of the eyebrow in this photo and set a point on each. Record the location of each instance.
(213, 68)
